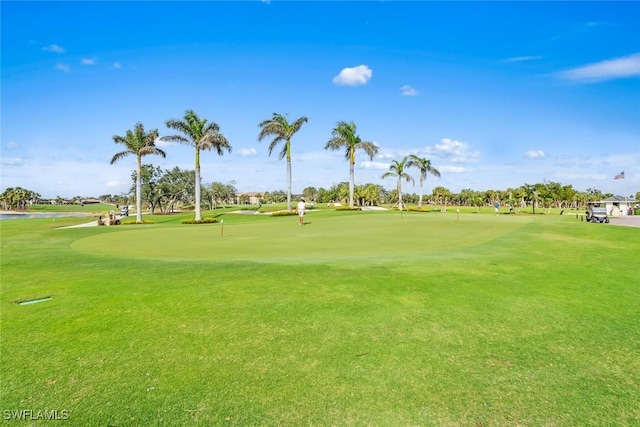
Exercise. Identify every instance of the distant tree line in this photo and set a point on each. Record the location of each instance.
(18, 198)
(543, 195)
(166, 190)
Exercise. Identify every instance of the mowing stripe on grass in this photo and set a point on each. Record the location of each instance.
(356, 236)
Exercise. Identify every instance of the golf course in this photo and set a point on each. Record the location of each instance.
(357, 318)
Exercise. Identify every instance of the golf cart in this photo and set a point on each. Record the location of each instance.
(124, 211)
(597, 213)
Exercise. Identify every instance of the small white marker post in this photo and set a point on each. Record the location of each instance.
(457, 215)
(222, 228)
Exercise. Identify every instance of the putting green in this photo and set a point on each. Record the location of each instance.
(324, 237)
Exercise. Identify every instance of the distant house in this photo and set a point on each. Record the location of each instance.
(251, 198)
(618, 205)
(89, 201)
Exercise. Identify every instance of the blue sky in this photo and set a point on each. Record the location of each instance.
(496, 94)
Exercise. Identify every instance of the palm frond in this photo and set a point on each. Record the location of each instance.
(423, 164)
(217, 141)
(281, 130)
(151, 149)
(389, 175)
(175, 138)
(295, 127)
(369, 147)
(283, 152)
(407, 177)
(137, 142)
(119, 156)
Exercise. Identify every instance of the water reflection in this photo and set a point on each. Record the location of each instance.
(32, 215)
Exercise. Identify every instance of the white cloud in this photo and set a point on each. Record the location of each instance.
(522, 58)
(385, 156)
(12, 161)
(455, 151)
(162, 143)
(88, 61)
(68, 177)
(407, 90)
(374, 165)
(451, 169)
(63, 67)
(54, 48)
(353, 76)
(318, 155)
(617, 68)
(534, 154)
(247, 152)
(116, 65)
(11, 145)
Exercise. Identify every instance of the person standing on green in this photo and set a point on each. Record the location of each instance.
(301, 209)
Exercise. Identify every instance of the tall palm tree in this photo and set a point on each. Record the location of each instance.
(424, 165)
(279, 127)
(202, 135)
(344, 135)
(138, 143)
(441, 194)
(398, 169)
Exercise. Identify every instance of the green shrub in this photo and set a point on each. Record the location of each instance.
(348, 208)
(201, 221)
(284, 213)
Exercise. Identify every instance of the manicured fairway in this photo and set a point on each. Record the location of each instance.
(357, 318)
(324, 237)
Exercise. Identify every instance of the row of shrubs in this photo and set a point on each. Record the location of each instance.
(284, 213)
(133, 222)
(348, 208)
(201, 221)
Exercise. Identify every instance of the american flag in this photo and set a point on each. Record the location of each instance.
(619, 176)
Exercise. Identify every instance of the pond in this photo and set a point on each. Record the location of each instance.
(30, 215)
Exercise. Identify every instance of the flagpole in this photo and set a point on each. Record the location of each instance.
(625, 193)
(622, 177)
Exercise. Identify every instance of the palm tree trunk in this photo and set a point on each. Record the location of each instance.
(139, 191)
(288, 184)
(288, 175)
(198, 213)
(351, 180)
(420, 199)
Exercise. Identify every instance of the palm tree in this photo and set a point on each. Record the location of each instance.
(139, 143)
(344, 135)
(278, 127)
(424, 165)
(202, 135)
(441, 194)
(397, 169)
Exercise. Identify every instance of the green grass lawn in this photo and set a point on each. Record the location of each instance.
(100, 208)
(357, 318)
